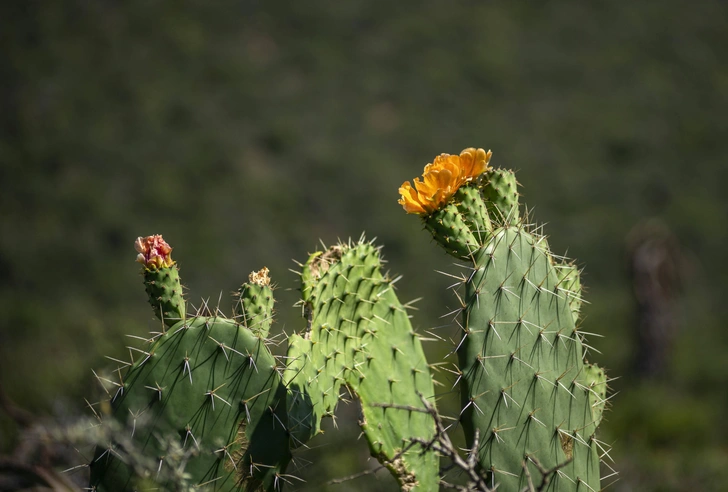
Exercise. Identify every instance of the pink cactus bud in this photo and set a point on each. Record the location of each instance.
(154, 252)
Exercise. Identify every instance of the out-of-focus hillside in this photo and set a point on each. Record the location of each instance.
(246, 131)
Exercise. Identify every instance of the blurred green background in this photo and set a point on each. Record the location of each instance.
(246, 131)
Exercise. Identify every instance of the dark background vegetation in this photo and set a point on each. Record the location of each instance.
(246, 131)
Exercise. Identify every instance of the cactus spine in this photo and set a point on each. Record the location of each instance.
(525, 387)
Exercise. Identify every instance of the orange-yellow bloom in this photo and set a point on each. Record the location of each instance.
(154, 252)
(441, 179)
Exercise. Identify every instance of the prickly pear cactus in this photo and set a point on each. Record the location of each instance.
(205, 400)
(525, 385)
(359, 335)
(204, 395)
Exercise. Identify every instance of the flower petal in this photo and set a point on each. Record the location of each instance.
(409, 199)
(154, 252)
(474, 161)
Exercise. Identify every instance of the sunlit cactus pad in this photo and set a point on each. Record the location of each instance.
(359, 335)
(210, 382)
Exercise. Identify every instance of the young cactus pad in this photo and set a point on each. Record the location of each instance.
(524, 383)
(359, 335)
(161, 278)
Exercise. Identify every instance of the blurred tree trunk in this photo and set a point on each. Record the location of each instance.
(654, 267)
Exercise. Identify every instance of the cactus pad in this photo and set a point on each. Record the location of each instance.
(213, 384)
(359, 335)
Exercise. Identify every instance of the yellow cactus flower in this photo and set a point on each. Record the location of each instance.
(154, 252)
(441, 179)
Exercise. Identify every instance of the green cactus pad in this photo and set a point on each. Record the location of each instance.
(165, 293)
(570, 286)
(500, 191)
(305, 398)
(255, 303)
(212, 385)
(474, 211)
(452, 231)
(596, 380)
(524, 383)
(359, 335)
